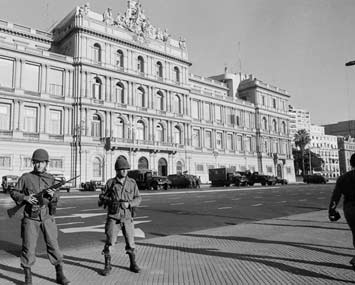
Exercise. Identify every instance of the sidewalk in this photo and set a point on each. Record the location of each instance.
(298, 249)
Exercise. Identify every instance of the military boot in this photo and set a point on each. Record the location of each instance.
(28, 275)
(352, 262)
(108, 266)
(133, 265)
(60, 278)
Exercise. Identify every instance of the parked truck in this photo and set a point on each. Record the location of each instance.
(221, 176)
(147, 181)
(263, 179)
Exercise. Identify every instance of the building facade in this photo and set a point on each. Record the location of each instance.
(299, 119)
(326, 146)
(344, 128)
(96, 87)
(346, 146)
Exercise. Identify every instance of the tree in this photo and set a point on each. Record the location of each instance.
(302, 138)
(316, 161)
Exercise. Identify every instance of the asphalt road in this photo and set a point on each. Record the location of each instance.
(81, 222)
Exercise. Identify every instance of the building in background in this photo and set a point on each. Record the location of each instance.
(346, 146)
(96, 87)
(326, 146)
(299, 119)
(344, 128)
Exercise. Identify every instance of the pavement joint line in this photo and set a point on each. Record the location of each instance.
(256, 205)
(173, 204)
(211, 201)
(222, 208)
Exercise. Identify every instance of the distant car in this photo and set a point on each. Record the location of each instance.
(92, 185)
(315, 178)
(282, 181)
(179, 180)
(8, 182)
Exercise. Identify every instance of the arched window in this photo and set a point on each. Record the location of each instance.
(140, 97)
(162, 167)
(176, 74)
(264, 123)
(96, 88)
(159, 68)
(119, 59)
(140, 64)
(177, 105)
(274, 125)
(119, 93)
(266, 148)
(97, 168)
(284, 128)
(143, 163)
(177, 135)
(97, 53)
(159, 133)
(179, 167)
(160, 101)
(140, 129)
(119, 128)
(96, 126)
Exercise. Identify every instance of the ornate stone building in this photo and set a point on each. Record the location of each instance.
(99, 86)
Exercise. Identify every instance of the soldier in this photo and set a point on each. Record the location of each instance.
(121, 196)
(345, 185)
(38, 216)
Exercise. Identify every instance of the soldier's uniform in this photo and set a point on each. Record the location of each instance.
(117, 192)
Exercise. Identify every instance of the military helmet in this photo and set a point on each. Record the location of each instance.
(121, 163)
(40, 155)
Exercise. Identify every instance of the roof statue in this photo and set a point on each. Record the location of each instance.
(84, 10)
(107, 16)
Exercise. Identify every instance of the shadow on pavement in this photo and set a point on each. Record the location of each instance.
(257, 259)
(302, 226)
(11, 248)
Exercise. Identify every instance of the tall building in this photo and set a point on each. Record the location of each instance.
(96, 87)
(326, 146)
(299, 119)
(344, 128)
(346, 146)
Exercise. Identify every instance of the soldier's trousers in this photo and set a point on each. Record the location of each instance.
(112, 228)
(30, 231)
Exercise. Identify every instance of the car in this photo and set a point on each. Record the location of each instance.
(263, 179)
(8, 182)
(315, 178)
(180, 180)
(280, 180)
(147, 181)
(92, 185)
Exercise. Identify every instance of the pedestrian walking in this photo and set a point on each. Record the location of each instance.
(198, 182)
(120, 196)
(345, 186)
(38, 215)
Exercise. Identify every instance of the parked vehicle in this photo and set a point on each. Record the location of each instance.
(8, 182)
(92, 185)
(240, 179)
(315, 178)
(146, 180)
(280, 180)
(183, 180)
(263, 179)
(221, 176)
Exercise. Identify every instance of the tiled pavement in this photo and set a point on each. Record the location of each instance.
(298, 249)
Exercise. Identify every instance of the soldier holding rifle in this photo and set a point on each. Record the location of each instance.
(39, 208)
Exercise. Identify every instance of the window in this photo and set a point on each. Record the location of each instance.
(218, 113)
(96, 88)
(5, 115)
(97, 167)
(5, 161)
(219, 142)
(30, 77)
(264, 123)
(160, 101)
(96, 126)
(196, 138)
(159, 132)
(55, 122)
(30, 119)
(179, 167)
(140, 130)
(199, 167)
(56, 163)
(207, 112)
(266, 147)
(208, 139)
(140, 97)
(97, 53)
(6, 72)
(263, 100)
(177, 105)
(119, 59)
(247, 120)
(269, 169)
(274, 125)
(239, 143)
(273, 102)
(230, 141)
(284, 128)
(118, 131)
(176, 74)
(159, 68)
(229, 116)
(177, 135)
(119, 93)
(55, 81)
(195, 109)
(140, 64)
(27, 162)
(248, 144)
(143, 163)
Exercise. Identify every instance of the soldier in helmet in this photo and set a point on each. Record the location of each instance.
(38, 216)
(345, 186)
(121, 196)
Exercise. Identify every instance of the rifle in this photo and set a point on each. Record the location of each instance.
(12, 211)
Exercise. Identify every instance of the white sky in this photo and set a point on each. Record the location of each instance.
(297, 45)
